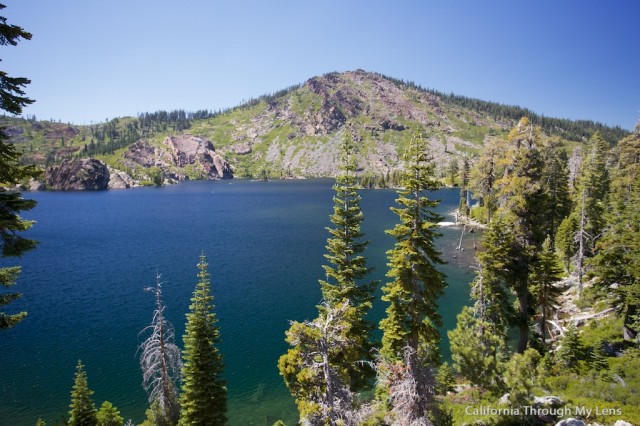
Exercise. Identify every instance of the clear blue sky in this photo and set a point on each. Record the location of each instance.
(91, 60)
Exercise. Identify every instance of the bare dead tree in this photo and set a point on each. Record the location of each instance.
(411, 386)
(161, 364)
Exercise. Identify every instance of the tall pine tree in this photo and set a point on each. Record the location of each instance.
(555, 182)
(522, 207)
(580, 231)
(412, 315)
(340, 336)
(410, 336)
(347, 268)
(203, 400)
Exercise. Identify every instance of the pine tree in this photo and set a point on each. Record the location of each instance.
(617, 259)
(478, 352)
(522, 206)
(412, 316)
(570, 350)
(83, 410)
(410, 336)
(521, 376)
(347, 268)
(585, 225)
(479, 341)
(555, 182)
(203, 400)
(12, 100)
(486, 171)
(161, 363)
(340, 336)
(108, 415)
(545, 294)
(319, 385)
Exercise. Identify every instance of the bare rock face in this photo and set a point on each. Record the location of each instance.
(78, 174)
(120, 180)
(176, 153)
(189, 149)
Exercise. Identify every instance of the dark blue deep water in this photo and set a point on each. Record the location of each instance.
(264, 241)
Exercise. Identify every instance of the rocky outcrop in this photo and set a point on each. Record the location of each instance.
(78, 174)
(120, 180)
(194, 150)
(180, 157)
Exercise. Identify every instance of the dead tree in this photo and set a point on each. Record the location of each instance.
(161, 364)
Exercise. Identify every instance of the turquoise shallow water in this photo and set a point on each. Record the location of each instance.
(264, 241)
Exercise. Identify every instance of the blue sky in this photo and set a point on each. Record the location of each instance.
(93, 60)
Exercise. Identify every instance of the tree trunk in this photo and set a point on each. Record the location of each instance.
(523, 321)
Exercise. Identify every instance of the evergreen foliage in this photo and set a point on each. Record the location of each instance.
(580, 231)
(522, 206)
(12, 100)
(570, 350)
(477, 351)
(444, 379)
(463, 207)
(617, 261)
(203, 400)
(412, 317)
(330, 357)
(108, 415)
(521, 377)
(83, 410)
(555, 183)
(545, 294)
(409, 351)
(347, 268)
(319, 384)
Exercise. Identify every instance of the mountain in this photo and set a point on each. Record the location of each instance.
(293, 133)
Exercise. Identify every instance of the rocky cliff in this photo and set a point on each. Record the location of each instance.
(78, 174)
(179, 157)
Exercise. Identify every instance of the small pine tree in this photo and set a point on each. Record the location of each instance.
(545, 294)
(41, 422)
(521, 377)
(478, 351)
(571, 350)
(108, 415)
(445, 380)
(83, 410)
(203, 400)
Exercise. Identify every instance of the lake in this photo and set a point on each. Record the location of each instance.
(83, 286)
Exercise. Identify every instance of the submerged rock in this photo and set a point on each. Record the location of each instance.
(78, 174)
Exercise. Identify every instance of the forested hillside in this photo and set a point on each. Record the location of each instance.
(295, 132)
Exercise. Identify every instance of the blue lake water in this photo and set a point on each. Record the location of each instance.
(264, 242)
